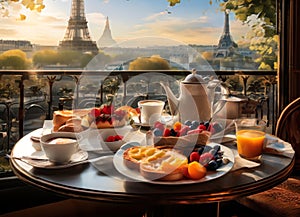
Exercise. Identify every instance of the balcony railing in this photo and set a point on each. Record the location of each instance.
(29, 97)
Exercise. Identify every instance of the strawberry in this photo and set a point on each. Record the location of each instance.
(107, 109)
(95, 113)
(167, 132)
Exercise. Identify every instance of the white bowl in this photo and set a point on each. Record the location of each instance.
(59, 146)
(112, 146)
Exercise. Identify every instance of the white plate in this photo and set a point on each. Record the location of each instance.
(136, 176)
(77, 158)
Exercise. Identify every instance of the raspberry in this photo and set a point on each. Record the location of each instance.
(202, 126)
(110, 139)
(118, 137)
(194, 156)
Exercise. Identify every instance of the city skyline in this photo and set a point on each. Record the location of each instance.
(190, 22)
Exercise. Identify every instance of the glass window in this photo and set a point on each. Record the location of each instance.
(230, 35)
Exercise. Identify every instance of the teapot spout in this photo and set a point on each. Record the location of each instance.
(172, 100)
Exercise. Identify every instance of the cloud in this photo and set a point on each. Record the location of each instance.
(95, 18)
(156, 15)
(197, 31)
(38, 28)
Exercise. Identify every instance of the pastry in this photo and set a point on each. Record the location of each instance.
(166, 168)
(133, 156)
(61, 117)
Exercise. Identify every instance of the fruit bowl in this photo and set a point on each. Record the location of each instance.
(112, 139)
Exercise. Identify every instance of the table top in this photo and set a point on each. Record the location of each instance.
(86, 182)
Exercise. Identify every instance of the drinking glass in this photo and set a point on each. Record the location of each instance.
(250, 136)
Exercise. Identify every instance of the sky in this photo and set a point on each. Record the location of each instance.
(190, 22)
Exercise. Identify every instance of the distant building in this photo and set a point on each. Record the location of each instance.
(106, 39)
(23, 45)
(226, 46)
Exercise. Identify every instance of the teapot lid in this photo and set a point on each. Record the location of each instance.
(194, 78)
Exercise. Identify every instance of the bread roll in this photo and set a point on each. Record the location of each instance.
(61, 117)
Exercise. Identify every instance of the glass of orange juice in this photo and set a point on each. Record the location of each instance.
(250, 136)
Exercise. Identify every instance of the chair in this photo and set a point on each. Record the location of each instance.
(282, 200)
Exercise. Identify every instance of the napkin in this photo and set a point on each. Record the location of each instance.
(272, 145)
(275, 145)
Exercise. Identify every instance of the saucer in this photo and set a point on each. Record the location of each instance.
(79, 157)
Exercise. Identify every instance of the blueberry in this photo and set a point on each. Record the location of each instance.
(212, 165)
(157, 132)
(218, 127)
(219, 161)
(207, 149)
(192, 127)
(173, 132)
(188, 123)
(213, 152)
(217, 148)
(195, 123)
(200, 150)
(206, 124)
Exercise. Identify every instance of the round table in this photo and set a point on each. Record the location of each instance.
(86, 182)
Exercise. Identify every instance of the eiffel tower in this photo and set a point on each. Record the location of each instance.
(77, 35)
(226, 44)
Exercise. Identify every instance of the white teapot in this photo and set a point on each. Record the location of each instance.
(196, 100)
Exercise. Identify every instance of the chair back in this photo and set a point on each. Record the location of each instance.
(288, 128)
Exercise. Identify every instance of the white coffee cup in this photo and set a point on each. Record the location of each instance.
(151, 111)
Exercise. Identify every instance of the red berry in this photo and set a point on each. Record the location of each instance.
(110, 139)
(202, 126)
(118, 137)
(205, 158)
(159, 125)
(183, 131)
(194, 156)
(209, 127)
(167, 132)
(95, 112)
(107, 109)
